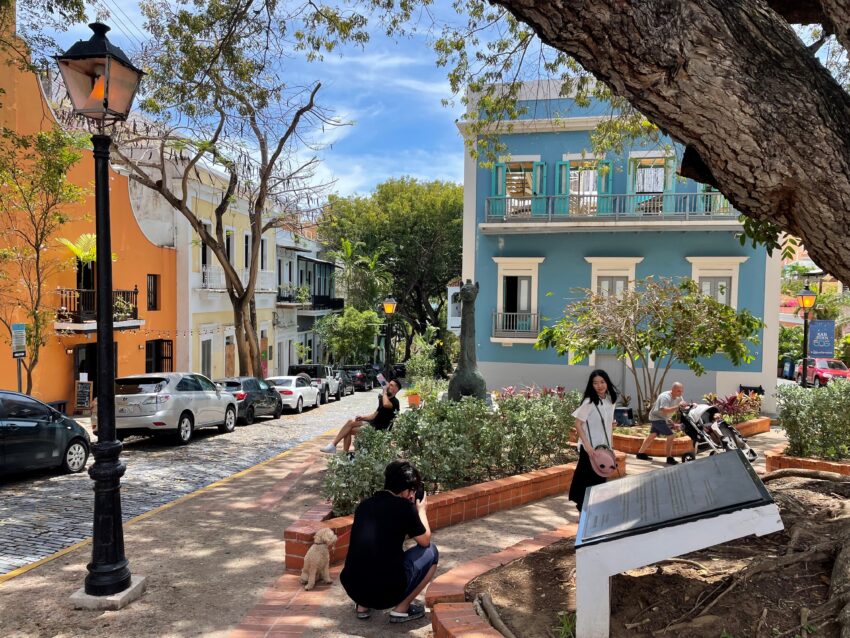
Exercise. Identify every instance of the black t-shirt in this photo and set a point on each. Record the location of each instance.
(374, 574)
(385, 416)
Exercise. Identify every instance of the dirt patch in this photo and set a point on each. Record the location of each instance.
(535, 595)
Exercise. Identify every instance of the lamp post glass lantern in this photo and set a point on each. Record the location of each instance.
(101, 83)
(389, 310)
(806, 299)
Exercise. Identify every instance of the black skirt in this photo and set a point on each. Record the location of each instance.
(583, 477)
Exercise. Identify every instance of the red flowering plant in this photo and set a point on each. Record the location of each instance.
(738, 407)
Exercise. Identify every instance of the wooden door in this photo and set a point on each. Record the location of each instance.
(229, 358)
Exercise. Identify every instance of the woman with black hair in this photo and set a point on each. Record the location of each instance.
(595, 426)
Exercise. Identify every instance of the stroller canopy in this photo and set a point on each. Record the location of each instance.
(702, 413)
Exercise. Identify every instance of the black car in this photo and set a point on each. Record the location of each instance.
(345, 383)
(33, 435)
(254, 397)
(400, 370)
(364, 378)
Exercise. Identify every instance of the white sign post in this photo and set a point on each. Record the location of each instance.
(19, 346)
(640, 520)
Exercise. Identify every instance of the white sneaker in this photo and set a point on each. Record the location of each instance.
(330, 448)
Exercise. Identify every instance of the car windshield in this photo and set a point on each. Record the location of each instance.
(832, 364)
(284, 383)
(141, 385)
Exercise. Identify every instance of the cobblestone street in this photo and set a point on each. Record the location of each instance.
(45, 512)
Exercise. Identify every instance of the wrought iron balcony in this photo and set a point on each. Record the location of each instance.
(78, 305)
(326, 302)
(516, 324)
(591, 208)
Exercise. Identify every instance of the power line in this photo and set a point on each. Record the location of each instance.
(129, 20)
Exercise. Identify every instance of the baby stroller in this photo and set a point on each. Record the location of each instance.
(709, 431)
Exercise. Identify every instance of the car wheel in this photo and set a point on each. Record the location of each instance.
(229, 421)
(799, 380)
(338, 395)
(249, 415)
(278, 410)
(818, 383)
(318, 400)
(323, 397)
(75, 457)
(185, 428)
(299, 407)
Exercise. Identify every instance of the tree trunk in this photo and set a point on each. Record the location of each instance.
(733, 83)
(245, 364)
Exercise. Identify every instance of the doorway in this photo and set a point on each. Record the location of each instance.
(85, 361)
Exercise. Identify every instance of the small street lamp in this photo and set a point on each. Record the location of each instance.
(389, 310)
(806, 299)
(101, 83)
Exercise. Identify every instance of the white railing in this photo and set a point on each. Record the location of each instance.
(212, 278)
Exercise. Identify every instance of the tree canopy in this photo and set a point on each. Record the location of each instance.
(654, 325)
(349, 336)
(415, 229)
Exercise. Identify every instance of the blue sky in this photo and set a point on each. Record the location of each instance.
(391, 91)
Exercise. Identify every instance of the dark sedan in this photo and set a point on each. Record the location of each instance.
(363, 378)
(345, 384)
(254, 397)
(35, 436)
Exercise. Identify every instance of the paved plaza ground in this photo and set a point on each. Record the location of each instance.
(213, 559)
(43, 513)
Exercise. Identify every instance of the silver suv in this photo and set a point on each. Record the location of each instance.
(173, 402)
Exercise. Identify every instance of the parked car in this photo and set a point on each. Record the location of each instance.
(322, 376)
(33, 435)
(254, 397)
(364, 379)
(346, 384)
(821, 371)
(400, 370)
(295, 392)
(177, 403)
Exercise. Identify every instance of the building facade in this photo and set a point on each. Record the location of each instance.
(549, 218)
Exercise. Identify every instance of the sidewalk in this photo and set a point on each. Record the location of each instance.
(214, 561)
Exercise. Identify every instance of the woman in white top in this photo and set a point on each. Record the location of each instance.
(595, 426)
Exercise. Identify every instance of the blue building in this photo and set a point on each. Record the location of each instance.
(549, 217)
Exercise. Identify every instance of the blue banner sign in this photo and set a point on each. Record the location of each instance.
(822, 338)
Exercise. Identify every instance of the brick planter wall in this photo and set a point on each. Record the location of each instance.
(631, 444)
(444, 509)
(775, 460)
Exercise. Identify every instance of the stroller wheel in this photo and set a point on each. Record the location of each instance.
(712, 453)
(688, 456)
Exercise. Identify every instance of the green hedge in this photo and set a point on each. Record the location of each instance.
(816, 420)
(457, 443)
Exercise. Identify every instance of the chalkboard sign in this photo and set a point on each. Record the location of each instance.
(82, 396)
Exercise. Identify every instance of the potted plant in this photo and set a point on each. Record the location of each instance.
(414, 398)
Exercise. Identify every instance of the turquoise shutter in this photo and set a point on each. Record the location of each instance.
(562, 188)
(669, 205)
(538, 189)
(630, 186)
(498, 187)
(604, 179)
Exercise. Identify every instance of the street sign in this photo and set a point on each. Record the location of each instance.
(19, 340)
(822, 338)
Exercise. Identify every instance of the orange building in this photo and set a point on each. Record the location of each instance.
(144, 274)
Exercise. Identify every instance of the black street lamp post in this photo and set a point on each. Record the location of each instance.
(389, 310)
(102, 83)
(806, 299)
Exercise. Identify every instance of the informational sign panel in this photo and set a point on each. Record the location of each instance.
(646, 502)
(19, 340)
(82, 395)
(822, 338)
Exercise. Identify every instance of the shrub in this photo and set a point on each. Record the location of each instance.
(457, 443)
(815, 420)
(738, 407)
(421, 364)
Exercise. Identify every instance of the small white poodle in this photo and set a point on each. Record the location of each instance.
(318, 559)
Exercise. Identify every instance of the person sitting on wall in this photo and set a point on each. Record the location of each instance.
(380, 419)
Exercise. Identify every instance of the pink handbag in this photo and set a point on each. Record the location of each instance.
(602, 457)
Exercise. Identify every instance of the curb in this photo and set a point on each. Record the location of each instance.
(630, 444)
(775, 460)
(451, 615)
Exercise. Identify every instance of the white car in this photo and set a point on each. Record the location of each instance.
(177, 403)
(296, 392)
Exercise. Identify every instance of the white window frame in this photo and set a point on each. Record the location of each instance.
(516, 267)
(718, 267)
(246, 245)
(232, 258)
(611, 267)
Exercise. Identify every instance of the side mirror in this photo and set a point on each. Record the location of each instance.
(56, 416)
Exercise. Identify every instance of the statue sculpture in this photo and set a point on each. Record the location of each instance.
(467, 380)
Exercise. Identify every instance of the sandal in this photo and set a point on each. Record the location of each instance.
(414, 612)
(362, 615)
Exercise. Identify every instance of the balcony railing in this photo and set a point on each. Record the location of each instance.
(212, 278)
(516, 324)
(647, 206)
(79, 305)
(326, 302)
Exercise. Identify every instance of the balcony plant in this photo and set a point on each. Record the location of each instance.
(302, 295)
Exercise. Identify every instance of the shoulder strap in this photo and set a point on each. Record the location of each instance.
(604, 427)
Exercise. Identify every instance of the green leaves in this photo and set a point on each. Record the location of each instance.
(815, 419)
(350, 335)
